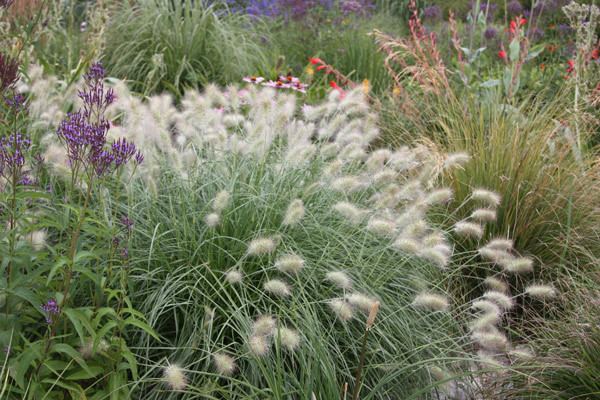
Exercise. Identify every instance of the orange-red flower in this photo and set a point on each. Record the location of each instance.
(595, 54)
(502, 54)
(315, 61)
(513, 26)
(522, 21)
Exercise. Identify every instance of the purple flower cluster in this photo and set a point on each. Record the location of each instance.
(298, 9)
(84, 132)
(490, 33)
(12, 155)
(52, 309)
(514, 8)
(126, 222)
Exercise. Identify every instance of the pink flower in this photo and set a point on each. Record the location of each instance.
(277, 84)
(253, 79)
(299, 87)
(289, 78)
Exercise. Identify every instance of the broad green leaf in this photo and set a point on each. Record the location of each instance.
(68, 350)
(513, 50)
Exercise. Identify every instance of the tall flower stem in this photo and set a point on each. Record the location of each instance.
(73, 245)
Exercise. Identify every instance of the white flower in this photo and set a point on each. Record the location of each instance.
(233, 276)
(342, 309)
(212, 220)
(541, 292)
(468, 229)
(486, 196)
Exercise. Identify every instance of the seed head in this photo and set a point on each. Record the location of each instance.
(349, 211)
(502, 300)
(435, 255)
(407, 245)
(212, 220)
(277, 287)
(484, 215)
(346, 184)
(295, 212)
(224, 364)
(492, 340)
(496, 284)
(439, 196)
(486, 196)
(361, 301)
(517, 265)
(541, 292)
(289, 264)
(259, 345)
(488, 307)
(221, 201)
(289, 338)
(485, 321)
(456, 160)
(431, 301)
(342, 309)
(500, 244)
(263, 326)
(522, 352)
(381, 226)
(339, 279)
(233, 276)
(468, 229)
(261, 246)
(175, 377)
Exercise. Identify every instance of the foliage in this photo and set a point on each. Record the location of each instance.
(160, 45)
(65, 311)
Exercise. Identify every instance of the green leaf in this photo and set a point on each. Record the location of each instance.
(534, 52)
(26, 361)
(81, 374)
(68, 350)
(513, 50)
(490, 83)
(77, 317)
(62, 261)
(142, 325)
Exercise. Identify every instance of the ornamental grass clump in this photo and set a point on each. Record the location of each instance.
(297, 262)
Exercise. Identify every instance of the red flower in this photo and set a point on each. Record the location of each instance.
(595, 54)
(513, 26)
(334, 85)
(502, 54)
(321, 67)
(315, 61)
(523, 21)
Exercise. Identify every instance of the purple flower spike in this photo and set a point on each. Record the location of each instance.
(84, 132)
(12, 155)
(51, 309)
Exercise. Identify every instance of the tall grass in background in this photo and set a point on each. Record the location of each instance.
(343, 43)
(161, 45)
(526, 155)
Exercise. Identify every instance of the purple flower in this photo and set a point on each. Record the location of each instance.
(490, 33)
(51, 309)
(84, 132)
(514, 7)
(16, 101)
(26, 180)
(12, 155)
(124, 253)
(432, 13)
(564, 29)
(126, 222)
